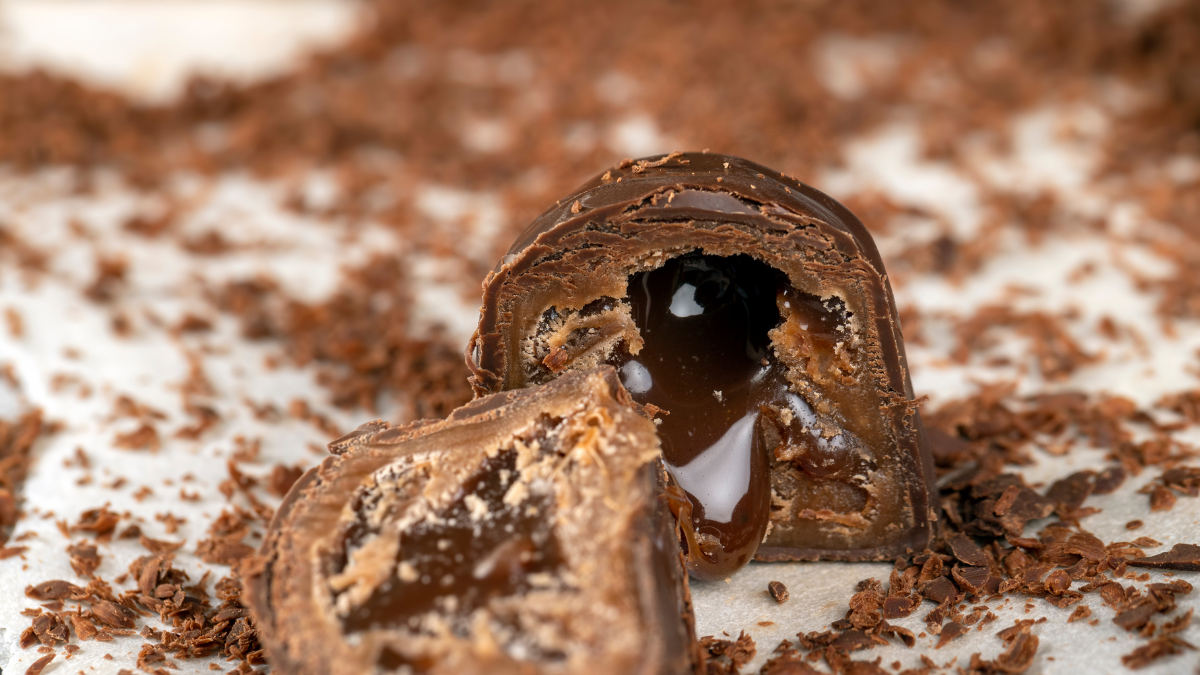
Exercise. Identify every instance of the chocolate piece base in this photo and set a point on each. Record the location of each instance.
(558, 301)
(608, 595)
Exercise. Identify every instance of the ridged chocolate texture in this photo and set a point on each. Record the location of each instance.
(527, 533)
(756, 312)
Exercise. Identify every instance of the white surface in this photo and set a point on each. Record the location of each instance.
(149, 367)
(148, 48)
(306, 256)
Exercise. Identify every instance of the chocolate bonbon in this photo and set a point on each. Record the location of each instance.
(527, 533)
(755, 313)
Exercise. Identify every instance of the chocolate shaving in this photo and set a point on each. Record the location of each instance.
(897, 607)
(100, 522)
(282, 478)
(728, 656)
(1159, 647)
(1108, 480)
(966, 550)
(855, 639)
(11, 551)
(84, 559)
(17, 438)
(1178, 624)
(156, 545)
(949, 632)
(1180, 557)
(114, 615)
(38, 666)
(54, 590)
(1069, 493)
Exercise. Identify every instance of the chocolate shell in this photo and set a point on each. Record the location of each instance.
(755, 312)
(525, 534)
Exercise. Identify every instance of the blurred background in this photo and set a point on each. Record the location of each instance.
(266, 221)
(450, 125)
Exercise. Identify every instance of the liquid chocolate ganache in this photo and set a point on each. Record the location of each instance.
(706, 360)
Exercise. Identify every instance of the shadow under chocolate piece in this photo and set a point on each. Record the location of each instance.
(525, 534)
(756, 313)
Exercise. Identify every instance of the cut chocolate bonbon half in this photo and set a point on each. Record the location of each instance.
(528, 533)
(755, 313)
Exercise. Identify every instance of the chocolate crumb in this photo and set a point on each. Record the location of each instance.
(1081, 612)
(778, 591)
(282, 478)
(1161, 499)
(114, 615)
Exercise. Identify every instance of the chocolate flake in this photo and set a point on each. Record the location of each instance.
(282, 478)
(1081, 612)
(1161, 498)
(949, 632)
(114, 615)
(1180, 557)
(1159, 647)
(38, 666)
(1108, 480)
(144, 437)
(54, 590)
(17, 438)
(84, 559)
(11, 551)
(966, 550)
(100, 522)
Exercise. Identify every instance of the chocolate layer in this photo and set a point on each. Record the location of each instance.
(756, 312)
(524, 534)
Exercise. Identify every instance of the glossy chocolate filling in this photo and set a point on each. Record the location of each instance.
(707, 361)
(457, 560)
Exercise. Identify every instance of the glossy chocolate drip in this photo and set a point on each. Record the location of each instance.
(707, 361)
(462, 557)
